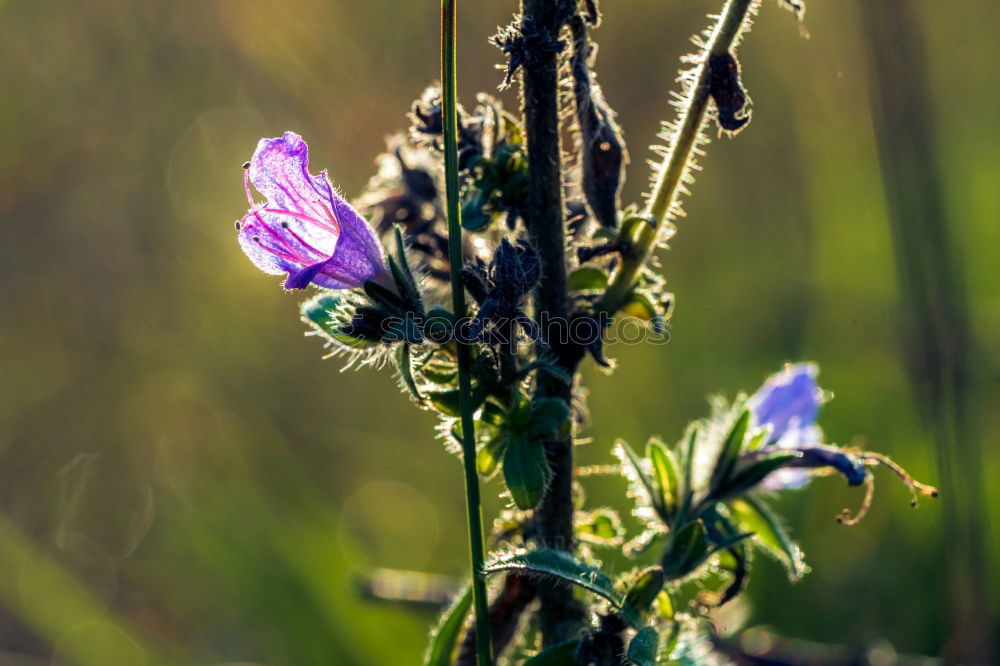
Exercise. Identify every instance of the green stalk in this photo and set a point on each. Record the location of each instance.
(667, 188)
(449, 112)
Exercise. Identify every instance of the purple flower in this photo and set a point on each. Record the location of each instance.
(304, 229)
(789, 402)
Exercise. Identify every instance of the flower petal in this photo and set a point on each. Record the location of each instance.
(788, 400)
(305, 229)
(279, 170)
(263, 248)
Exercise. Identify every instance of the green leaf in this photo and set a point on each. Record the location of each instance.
(401, 273)
(448, 402)
(526, 472)
(562, 566)
(759, 439)
(665, 474)
(754, 516)
(671, 643)
(351, 342)
(665, 605)
(748, 478)
(642, 489)
(652, 537)
(444, 637)
(640, 306)
(439, 324)
(319, 313)
(439, 376)
(731, 448)
(690, 442)
(405, 368)
(475, 215)
(643, 647)
(492, 414)
(385, 298)
(688, 550)
(489, 455)
(587, 278)
(631, 225)
(561, 654)
(735, 559)
(601, 526)
(644, 591)
(547, 416)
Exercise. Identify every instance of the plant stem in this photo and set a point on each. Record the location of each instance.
(934, 309)
(560, 615)
(474, 508)
(675, 166)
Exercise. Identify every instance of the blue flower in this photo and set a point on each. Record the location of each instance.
(789, 402)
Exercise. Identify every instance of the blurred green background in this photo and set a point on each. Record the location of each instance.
(184, 480)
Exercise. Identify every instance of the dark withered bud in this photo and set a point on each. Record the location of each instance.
(602, 173)
(602, 149)
(476, 280)
(588, 252)
(525, 43)
(368, 323)
(419, 182)
(511, 43)
(427, 126)
(727, 92)
(515, 270)
(425, 115)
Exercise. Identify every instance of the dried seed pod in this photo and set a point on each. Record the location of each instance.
(602, 149)
(727, 92)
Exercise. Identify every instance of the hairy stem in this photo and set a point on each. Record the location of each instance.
(560, 615)
(670, 178)
(474, 507)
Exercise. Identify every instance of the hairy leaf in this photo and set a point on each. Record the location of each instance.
(547, 416)
(401, 272)
(644, 591)
(641, 488)
(665, 474)
(754, 516)
(587, 278)
(404, 366)
(731, 448)
(526, 471)
(643, 647)
(689, 548)
(748, 478)
(561, 566)
(489, 455)
(601, 526)
(448, 402)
